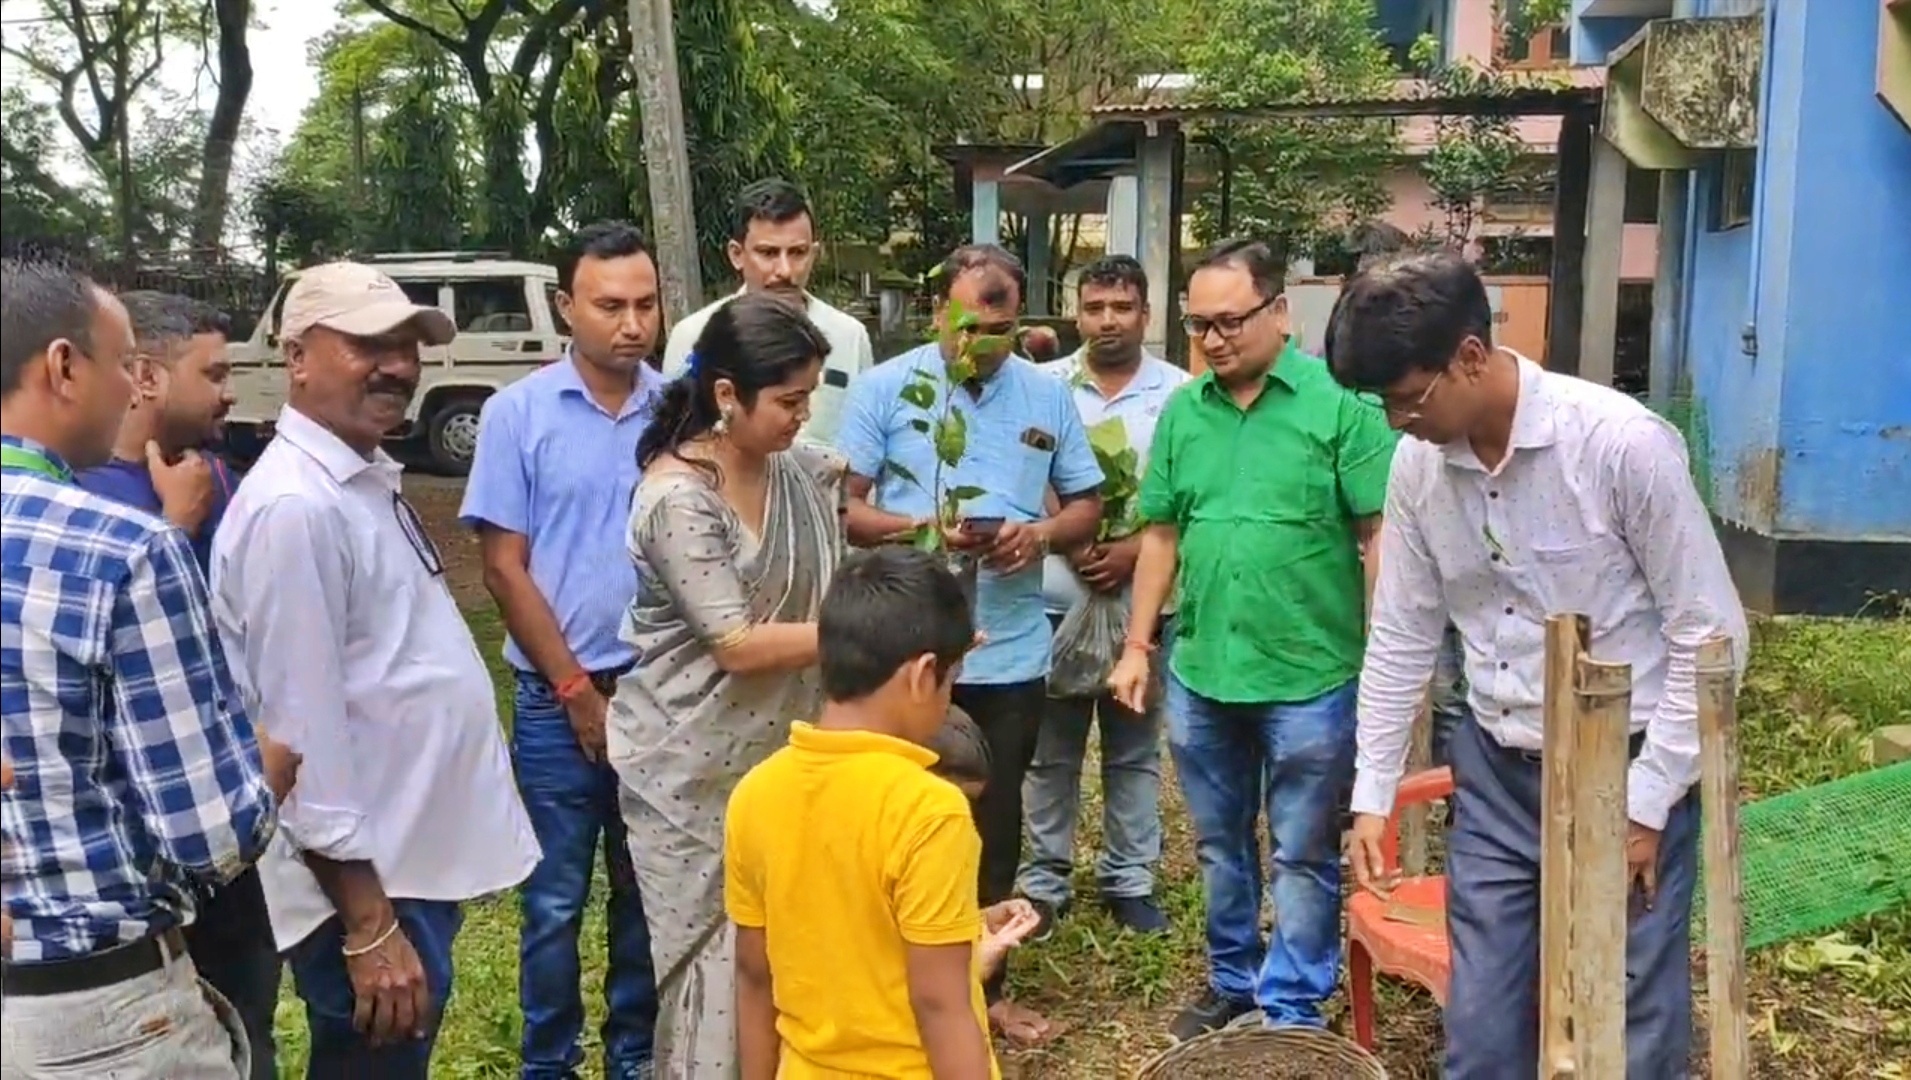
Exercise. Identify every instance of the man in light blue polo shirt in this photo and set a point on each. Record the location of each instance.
(549, 495)
(1024, 438)
(1111, 379)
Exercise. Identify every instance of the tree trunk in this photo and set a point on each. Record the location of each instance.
(222, 130)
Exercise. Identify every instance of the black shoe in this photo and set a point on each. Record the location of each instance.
(1211, 1012)
(1142, 914)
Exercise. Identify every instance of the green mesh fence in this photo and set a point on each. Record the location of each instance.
(1814, 859)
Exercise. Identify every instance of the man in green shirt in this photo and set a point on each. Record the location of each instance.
(1264, 480)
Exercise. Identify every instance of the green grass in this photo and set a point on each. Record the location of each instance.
(1829, 1008)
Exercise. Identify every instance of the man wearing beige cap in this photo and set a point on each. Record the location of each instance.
(347, 645)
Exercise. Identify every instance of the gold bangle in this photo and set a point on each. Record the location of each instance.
(731, 639)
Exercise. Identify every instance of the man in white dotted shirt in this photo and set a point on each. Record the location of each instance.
(1524, 494)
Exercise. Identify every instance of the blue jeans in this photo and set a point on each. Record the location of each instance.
(1131, 797)
(1296, 760)
(339, 1052)
(572, 804)
(1492, 1013)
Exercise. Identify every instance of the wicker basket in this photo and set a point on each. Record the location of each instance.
(1250, 1052)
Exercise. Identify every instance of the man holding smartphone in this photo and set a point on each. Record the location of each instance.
(1024, 437)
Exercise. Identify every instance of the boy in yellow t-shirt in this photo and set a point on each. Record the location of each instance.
(850, 868)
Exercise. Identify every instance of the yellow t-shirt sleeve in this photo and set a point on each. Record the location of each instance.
(941, 858)
(742, 874)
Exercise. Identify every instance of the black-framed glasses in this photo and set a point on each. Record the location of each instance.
(1198, 326)
(414, 529)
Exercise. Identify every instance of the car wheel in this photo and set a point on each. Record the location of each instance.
(452, 437)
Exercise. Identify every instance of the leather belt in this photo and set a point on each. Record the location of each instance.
(605, 681)
(107, 967)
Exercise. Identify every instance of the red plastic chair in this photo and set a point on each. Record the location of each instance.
(1404, 936)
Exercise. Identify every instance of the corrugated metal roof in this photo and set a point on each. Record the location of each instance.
(1526, 102)
(1547, 93)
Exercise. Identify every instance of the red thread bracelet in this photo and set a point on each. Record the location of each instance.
(1144, 646)
(573, 686)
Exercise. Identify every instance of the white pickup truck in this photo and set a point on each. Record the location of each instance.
(508, 327)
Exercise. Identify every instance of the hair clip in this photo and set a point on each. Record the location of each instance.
(692, 364)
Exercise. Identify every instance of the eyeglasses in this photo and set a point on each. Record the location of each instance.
(414, 529)
(1410, 413)
(1198, 326)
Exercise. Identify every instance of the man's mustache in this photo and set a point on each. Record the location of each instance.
(394, 387)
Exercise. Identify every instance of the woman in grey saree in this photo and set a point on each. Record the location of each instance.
(735, 533)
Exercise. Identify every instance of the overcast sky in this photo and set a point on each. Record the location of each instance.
(283, 80)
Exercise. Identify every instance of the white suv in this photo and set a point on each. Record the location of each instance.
(508, 327)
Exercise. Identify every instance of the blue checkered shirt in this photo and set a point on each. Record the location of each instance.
(137, 776)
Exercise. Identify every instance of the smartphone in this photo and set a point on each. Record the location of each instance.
(982, 526)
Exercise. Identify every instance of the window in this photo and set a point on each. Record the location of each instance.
(1734, 181)
(1398, 25)
(422, 292)
(491, 306)
(1526, 194)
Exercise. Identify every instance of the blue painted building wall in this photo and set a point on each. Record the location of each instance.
(1806, 434)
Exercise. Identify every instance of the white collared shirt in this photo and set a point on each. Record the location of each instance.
(1593, 511)
(350, 650)
(1138, 405)
(850, 354)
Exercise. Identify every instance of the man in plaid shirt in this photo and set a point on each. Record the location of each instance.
(138, 776)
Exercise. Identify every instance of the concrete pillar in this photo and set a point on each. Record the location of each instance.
(986, 210)
(1605, 239)
(1157, 229)
(1039, 262)
(1124, 211)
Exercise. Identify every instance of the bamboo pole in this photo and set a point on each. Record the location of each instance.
(1565, 638)
(1583, 859)
(1724, 915)
(1600, 885)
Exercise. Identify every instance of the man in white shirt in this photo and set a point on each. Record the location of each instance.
(1525, 494)
(347, 645)
(773, 248)
(1111, 378)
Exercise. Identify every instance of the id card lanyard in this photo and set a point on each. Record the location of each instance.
(19, 457)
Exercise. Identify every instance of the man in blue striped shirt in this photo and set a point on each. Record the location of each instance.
(163, 464)
(138, 778)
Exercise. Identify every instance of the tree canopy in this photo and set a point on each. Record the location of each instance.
(500, 123)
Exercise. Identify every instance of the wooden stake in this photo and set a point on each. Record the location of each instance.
(1583, 858)
(1565, 639)
(1724, 915)
(1600, 886)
